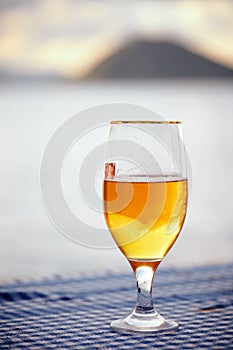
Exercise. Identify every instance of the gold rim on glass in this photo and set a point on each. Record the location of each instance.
(145, 122)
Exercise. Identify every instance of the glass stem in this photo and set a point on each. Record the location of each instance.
(144, 276)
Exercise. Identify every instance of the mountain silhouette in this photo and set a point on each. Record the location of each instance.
(150, 60)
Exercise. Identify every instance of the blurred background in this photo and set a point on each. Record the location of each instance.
(58, 57)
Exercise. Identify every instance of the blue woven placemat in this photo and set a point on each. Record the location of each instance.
(74, 312)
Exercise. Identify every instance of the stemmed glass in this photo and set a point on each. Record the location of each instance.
(145, 200)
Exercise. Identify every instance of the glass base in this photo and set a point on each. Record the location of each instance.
(144, 323)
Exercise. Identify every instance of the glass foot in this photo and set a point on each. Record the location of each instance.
(144, 323)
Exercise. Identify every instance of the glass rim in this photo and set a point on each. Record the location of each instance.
(145, 122)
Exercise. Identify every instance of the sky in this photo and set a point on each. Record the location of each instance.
(69, 38)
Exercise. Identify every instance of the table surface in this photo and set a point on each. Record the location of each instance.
(74, 311)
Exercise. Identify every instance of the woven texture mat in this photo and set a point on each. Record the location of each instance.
(74, 312)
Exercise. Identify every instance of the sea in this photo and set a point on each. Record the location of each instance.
(32, 243)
